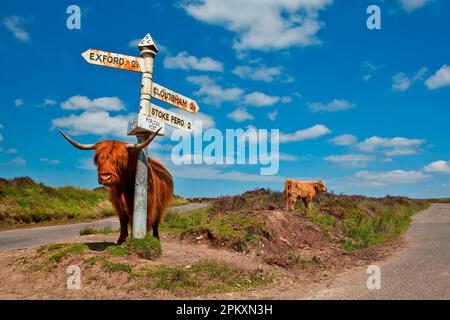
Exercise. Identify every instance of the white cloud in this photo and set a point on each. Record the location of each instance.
(402, 82)
(212, 93)
(240, 115)
(48, 102)
(384, 178)
(344, 140)
(273, 115)
(49, 161)
(411, 5)
(184, 61)
(8, 151)
(84, 103)
(305, 134)
(351, 160)
(210, 173)
(258, 73)
(440, 166)
(370, 70)
(15, 24)
(86, 164)
(19, 102)
(259, 99)
(391, 146)
(333, 106)
(263, 25)
(440, 79)
(18, 161)
(98, 122)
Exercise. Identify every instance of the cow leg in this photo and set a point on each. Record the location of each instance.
(155, 230)
(308, 204)
(123, 218)
(305, 202)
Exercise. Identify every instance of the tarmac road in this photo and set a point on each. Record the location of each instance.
(32, 237)
(419, 271)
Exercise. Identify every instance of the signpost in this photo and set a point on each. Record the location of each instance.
(161, 93)
(150, 119)
(171, 118)
(113, 60)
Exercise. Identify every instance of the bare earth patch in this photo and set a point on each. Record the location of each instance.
(33, 273)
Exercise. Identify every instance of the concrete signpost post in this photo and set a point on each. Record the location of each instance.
(150, 119)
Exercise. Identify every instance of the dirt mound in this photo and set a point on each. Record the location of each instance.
(290, 231)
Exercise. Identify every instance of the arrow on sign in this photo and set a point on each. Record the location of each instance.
(176, 99)
(171, 118)
(113, 60)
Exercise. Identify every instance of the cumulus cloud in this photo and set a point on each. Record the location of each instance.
(351, 160)
(259, 99)
(184, 61)
(333, 106)
(212, 93)
(240, 115)
(412, 5)
(370, 69)
(48, 102)
(84, 103)
(49, 161)
(18, 102)
(98, 122)
(313, 132)
(384, 178)
(440, 79)
(402, 82)
(440, 166)
(17, 161)
(263, 25)
(258, 73)
(273, 115)
(391, 146)
(344, 140)
(16, 25)
(8, 151)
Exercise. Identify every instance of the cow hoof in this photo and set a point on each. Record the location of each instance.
(120, 241)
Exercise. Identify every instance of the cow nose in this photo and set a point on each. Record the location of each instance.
(105, 178)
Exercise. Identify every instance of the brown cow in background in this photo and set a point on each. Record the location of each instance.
(305, 190)
(116, 164)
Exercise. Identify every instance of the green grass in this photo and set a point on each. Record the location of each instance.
(147, 248)
(323, 221)
(178, 201)
(240, 229)
(59, 251)
(22, 201)
(365, 230)
(94, 230)
(205, 276)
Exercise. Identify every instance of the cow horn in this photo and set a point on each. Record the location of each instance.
(77, 144)
(144, 144)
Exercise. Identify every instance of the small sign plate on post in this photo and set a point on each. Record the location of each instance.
(113, 60)
(144, 124)
(171, 118)
(161, 93)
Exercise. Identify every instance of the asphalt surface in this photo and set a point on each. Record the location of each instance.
(419, 271)
(32, 237)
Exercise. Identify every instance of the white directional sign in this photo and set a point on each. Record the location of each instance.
(171, 118)
(144, 124)
(113, 60)
(176, 99)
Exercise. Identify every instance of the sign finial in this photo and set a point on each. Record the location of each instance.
(148, 42)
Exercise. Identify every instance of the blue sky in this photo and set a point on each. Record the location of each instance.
(365, 110)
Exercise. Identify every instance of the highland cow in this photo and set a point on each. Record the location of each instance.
(116, 163)
(305, 190)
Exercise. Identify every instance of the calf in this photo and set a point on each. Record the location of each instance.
(305, 190)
